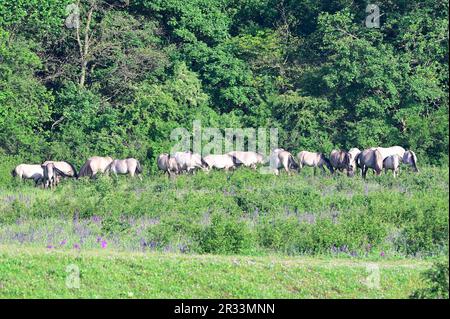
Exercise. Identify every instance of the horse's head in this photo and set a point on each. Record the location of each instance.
(410, 158)
(327, 163)
(350, 164)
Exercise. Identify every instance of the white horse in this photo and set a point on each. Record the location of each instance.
(94, 165)
(29, 171)
(407, 157)
(353, 154)
(247, 159)
(52, 175)
(188, 161)
(279, 158)
(125, 166)
(224, 161)
(65, 167)
(388, 151)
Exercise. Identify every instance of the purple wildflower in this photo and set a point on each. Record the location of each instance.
(143, 243)
(76, 246)
(382, 254)
(104, 244)
(99, 239)
(96, 219)
(63, 242)
(49, 246)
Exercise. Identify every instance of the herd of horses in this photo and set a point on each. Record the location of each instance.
(49, 173)
(375, 158)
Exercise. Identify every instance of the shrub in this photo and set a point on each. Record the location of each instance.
(225, 236)
(437, 284)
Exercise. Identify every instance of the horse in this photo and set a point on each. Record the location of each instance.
(189, 162)
(29, 171)
(51, 175)
(371, 158)
(392, 163)
(125, 166)
(281, 158)
(388, 151)
(65, 167)
(94, 165)
(410, 158)
(224, 161)
(168, 164)
(247, 159)
(340, 160)
(353, 160)
(315, 160)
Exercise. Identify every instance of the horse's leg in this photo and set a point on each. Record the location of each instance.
(286, 168)
(364, 172)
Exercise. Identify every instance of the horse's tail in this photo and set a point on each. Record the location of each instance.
(235, 160)
(204, 164)
(13, 172)
(73, 169)
(85, 170)
(358, 160)
(61, 173)
(378, 161)
(292, 163)
(138, 167)
(108, 167)
(414, 160)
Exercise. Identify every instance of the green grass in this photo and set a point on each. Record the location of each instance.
(39, 273)
(237, 235)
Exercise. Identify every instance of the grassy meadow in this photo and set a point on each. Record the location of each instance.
(236, 235)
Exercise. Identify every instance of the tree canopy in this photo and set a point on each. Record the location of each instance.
(131, 71)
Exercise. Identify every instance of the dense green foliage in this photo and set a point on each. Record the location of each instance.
(310, 68)
(245, 213)
(437, 284)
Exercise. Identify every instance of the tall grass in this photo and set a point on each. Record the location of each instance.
(243, 212)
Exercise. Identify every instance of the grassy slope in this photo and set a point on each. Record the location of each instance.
(39, 273)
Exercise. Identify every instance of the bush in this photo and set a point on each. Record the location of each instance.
(225, 236)
(437, 284)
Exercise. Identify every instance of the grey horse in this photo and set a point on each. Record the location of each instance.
(392, 163)
(410, 158)
(168, 164)
(371, 158)
(340, 160)
(315, 160)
